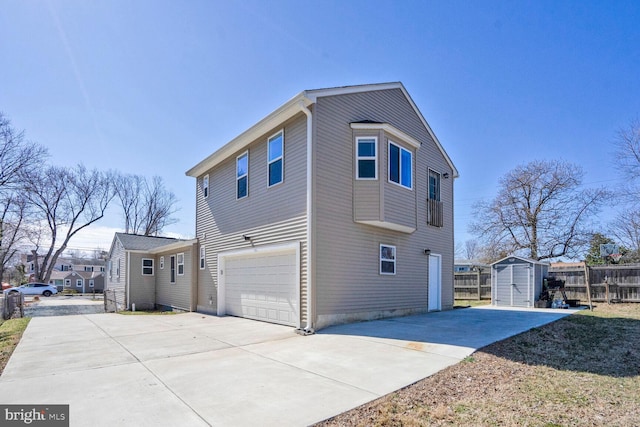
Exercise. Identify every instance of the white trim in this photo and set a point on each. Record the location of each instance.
(374, 157)
(387, 128)
(380, 260)
(246, 175)
(390, 143)
(280, 132)
(265, 249)
(170, 247)
(388, 225)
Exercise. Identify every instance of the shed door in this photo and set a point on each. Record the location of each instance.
(262, 286)
(521, 287)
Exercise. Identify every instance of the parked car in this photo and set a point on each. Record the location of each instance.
(34, 289)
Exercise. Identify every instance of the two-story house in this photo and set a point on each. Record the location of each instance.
(336, 207)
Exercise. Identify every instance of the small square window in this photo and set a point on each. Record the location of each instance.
(387, 259)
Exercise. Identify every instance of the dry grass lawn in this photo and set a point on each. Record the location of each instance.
(583, 370)
(10, 334)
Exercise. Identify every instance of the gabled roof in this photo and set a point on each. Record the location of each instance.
(135, 242)
(527, 260)
(293, 107)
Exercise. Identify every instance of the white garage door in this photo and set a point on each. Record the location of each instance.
(262, 285)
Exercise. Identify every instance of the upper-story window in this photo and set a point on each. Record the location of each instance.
(275, 158)
(400, 165)
(366, 158)
(202, 257)
(434, 186)
(205, 186)
(242, 175)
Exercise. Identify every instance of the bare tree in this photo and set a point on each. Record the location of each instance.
(147, 206)
(540, 210)
(67, 201)
(17, 158)
(627, 150)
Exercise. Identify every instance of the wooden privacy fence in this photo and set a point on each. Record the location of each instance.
(472, 285)
(12, 305)
(611, 283)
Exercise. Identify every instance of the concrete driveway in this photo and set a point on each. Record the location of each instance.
(192, 369)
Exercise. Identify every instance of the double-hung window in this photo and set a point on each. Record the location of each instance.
(275, 158)
(202, 257)
(147, 267)
(180, 264)
(366, 158)
(435, 211)
(161, 263)
(400, 165)
(387, 259)
(205, 186)
(242, 175)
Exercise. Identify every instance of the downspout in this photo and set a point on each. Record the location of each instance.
(308, 329)
(126, 281)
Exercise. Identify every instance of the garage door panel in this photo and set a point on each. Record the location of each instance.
(263, 287)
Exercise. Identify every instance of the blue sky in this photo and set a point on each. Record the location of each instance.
(152, 87)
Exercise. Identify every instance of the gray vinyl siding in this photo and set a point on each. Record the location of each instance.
(113, 280)
(268, 215)
(142, 289)
(178, 294)
(347, 253)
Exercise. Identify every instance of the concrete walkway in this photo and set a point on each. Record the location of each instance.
(192, 369)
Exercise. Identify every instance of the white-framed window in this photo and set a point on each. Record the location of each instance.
(205, 186)
(118, 269)
(367, 158)
(78, 283)
(172, 267)
(387, 259)
(242, 175)
(147, 266)
(434, 185)
(400, 166)
(180, 264)
(162, 263)
(67, 283)
(203, 255)
(91, 283)
(275, 159)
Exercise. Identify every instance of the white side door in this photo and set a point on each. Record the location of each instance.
(435, 282)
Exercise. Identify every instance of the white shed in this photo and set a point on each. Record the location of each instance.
(517, 281)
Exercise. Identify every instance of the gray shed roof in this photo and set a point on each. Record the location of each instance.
(135, 242)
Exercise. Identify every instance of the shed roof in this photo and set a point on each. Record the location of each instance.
(527, 260)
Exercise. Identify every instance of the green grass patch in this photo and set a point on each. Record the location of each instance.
(10, 334)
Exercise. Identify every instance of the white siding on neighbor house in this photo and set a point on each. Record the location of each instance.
(268, 215)
(178, 294)
(347, 253)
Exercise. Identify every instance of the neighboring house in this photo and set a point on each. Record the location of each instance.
(464, 266)
(152, 272)
(336, 207)
(64, 267)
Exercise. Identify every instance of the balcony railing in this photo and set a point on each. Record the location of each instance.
(435, 213)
